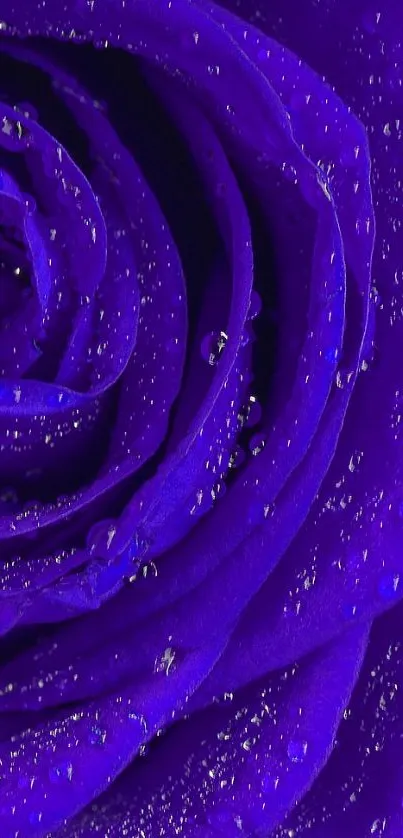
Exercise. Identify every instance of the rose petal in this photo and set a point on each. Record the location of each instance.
(238, 766)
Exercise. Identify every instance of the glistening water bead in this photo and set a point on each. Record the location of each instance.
(251, 413)
(212, 346)
(389, 585)
(97, 735)
(61, 773)
(14, 134)
(257, 443)
(237, 457)
(297, 749)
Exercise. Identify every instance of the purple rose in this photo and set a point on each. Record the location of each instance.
(200, 419)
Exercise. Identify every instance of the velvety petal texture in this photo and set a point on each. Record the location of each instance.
(200, 419)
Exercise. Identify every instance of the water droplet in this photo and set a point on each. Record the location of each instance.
(248, 334)
(344, 378)
(137, 718)
(100, 537)
(258, 510)
(166, 662)
(14, 133)
(289, 172)
(212, 346)
(389, 586)
(218, 491)
(378, 827)
(138, 546)
(300, 100)
(255, 305)
(331, 354)
(247, 744)
(110, 535)
(254, 412)
(97, 735)
(150, 570)
(257, 443)
(350, 610)
(292, 609)
(349, 155)
(225, 698)
(393, 76)
(225, 822)
(297, 749)
(30, 203)
(201, 503)
(55, 398)
(370, 21)
(237, 457)
(61, 773)
(268, 783)
(174, 346)
(355, 460)
(375, 296)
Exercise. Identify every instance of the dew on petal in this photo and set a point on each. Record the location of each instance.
(202, 502)
(61, 773)
(166, 662)
(257, 443)
(350, 610)
(97, 735)
(15, 134)
(212, 347)
(255, 305)
(297, 749)
(389, 586)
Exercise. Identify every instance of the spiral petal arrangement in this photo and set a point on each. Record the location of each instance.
(195, 535)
